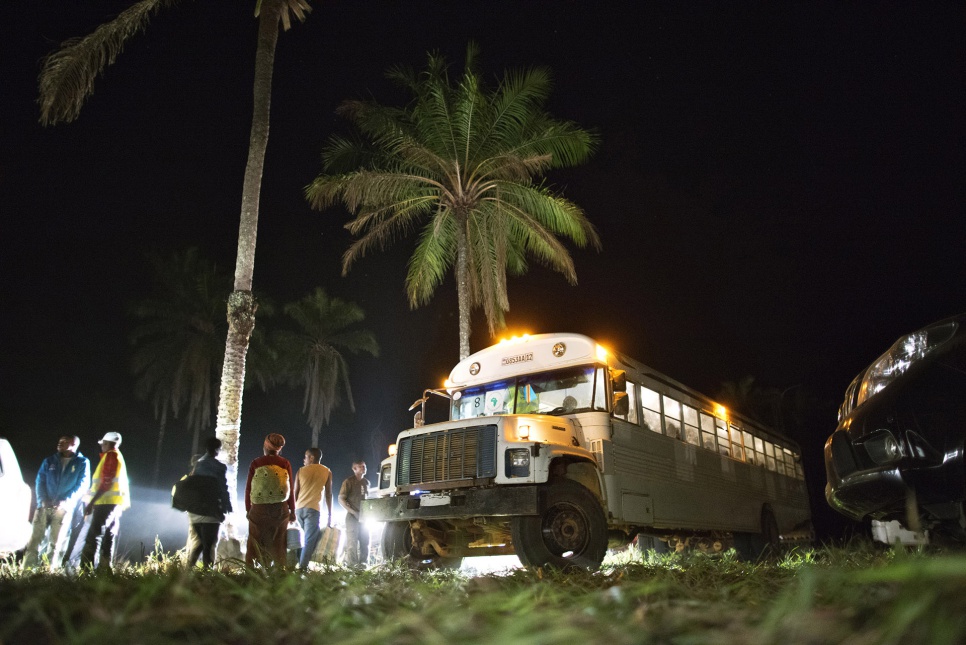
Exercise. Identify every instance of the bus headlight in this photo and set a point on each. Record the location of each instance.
(518, 462)
(385, 476)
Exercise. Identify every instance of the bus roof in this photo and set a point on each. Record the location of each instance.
(525, 355)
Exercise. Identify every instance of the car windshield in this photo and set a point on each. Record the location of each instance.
(558, 392)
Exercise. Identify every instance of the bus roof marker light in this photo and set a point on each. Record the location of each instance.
(559, 349)
(601, 353)
(475, 368)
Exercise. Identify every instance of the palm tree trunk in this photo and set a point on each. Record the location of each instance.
(241, 303)
(463, 291)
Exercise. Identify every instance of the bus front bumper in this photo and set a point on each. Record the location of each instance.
(505, 501)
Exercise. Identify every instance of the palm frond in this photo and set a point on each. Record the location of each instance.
(67, 75)
(461, 163)
(431, 261)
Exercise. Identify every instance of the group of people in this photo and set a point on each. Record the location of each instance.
(274, 498)
(64, 485)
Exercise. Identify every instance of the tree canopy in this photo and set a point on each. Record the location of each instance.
(463, 164)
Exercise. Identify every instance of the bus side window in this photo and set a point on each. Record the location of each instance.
(691, 433)
(736, 448)
(724, 443)
(631, 416)
(672, 417)
(770, 456)
(707, 432)
(789, 462)
(749, 441)
(759, 451)
(651, 409)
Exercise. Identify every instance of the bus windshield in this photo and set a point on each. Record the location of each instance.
(564, 391)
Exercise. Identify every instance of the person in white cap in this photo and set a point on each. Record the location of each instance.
(109, 496)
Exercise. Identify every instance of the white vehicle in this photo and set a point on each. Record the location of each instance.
(15, 500)
(557, 449)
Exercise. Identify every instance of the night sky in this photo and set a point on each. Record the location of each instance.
(779, 192)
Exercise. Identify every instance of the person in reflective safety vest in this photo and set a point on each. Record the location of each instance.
(109, 496)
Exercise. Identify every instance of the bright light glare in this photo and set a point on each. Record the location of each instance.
(375, 528)
(720, 411)
(392, 450)
(490, 565)
(601, 353)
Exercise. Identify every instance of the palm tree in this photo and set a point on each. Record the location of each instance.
(462, 162)
(67, 79)
(312, 357)
(177, 348)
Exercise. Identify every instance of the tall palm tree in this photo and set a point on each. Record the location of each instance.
(463, 163)
(177, 344)
(313, 356)
(67, 79)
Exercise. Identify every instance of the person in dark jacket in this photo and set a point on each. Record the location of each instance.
(205, 520)
(62, 480)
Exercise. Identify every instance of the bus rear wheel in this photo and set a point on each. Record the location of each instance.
(569, 533)
(754, 546)
(397, 544)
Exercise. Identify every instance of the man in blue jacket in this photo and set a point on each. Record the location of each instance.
(61, 481)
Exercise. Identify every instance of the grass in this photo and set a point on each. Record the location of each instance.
(856, 594)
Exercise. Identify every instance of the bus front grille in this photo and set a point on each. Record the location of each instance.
(458, 457)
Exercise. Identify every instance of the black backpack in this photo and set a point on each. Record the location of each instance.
(197, 494)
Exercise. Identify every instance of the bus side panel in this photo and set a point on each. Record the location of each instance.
(689, 487)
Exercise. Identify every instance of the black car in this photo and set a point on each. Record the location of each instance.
(897, 453)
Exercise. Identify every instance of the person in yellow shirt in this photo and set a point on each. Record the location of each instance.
(312, 482)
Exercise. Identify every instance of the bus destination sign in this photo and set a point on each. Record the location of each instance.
(519, 358)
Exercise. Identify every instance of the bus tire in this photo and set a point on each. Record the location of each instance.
(754, 546)
(646, 542)
(769, 533)
(397, 544)
(569, 533)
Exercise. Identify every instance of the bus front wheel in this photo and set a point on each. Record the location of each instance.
(570, 532)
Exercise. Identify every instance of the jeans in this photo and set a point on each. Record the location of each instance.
(309, 520)
(52, 518)
(356, 541)
(101, 536)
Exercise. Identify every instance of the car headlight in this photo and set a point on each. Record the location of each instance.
(906, 351)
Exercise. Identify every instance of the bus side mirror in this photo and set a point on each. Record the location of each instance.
(622, 404)
(618, 379)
